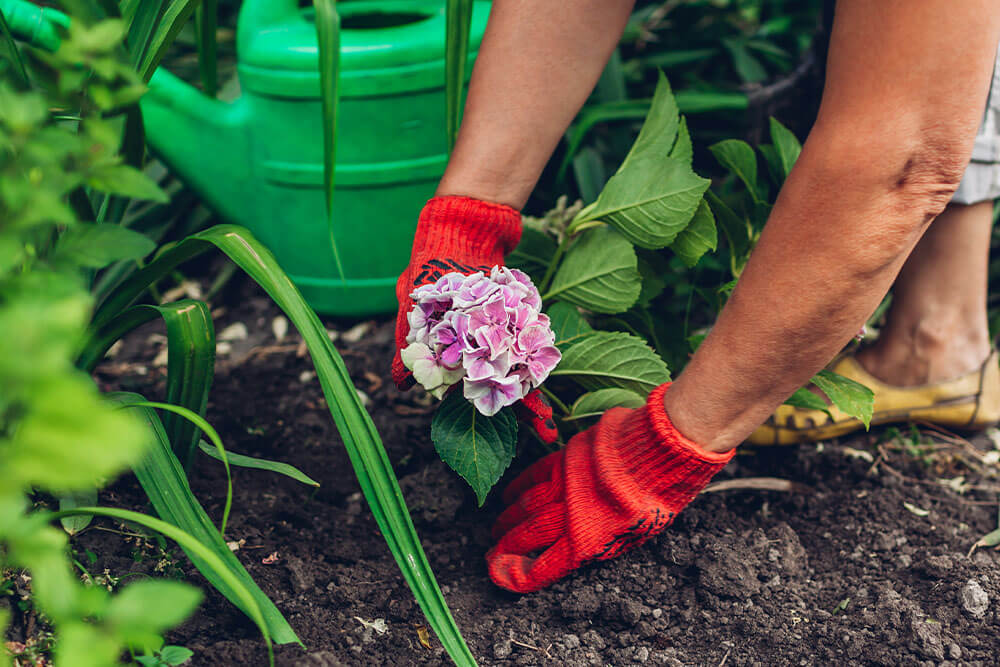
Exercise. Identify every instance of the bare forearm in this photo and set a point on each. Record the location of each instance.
(895, 129)
(538, 62)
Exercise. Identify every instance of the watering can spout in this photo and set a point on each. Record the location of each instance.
(204, 140)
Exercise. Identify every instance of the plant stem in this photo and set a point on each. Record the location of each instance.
(551, 270)
(555, 399)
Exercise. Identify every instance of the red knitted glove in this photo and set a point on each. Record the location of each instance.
(613, 487)
(466, 235)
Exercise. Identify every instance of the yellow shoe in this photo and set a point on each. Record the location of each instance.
(971, 401)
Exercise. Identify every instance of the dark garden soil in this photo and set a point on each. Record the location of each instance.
(843, 573)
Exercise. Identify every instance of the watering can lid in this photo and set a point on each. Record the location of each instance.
(375, 35)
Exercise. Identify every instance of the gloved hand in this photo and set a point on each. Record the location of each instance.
(613, 487)
(465, 235)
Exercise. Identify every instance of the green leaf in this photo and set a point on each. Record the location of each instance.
(589, 117)
(243, 461)
(659, 131)
(598, 273)
(596, 403)
(161, 476)
(96, 246)
(368, 456)
(786, 144)
(613, 359)
(738, 157)
(458, 15)
(67, 501)
(733, 227)
(190, 360)
(651, 201)
(747, 67)
(803, 398)
(175, 655)
(683, 150)
(12, 54)
(212, 566)
(206, 20)
(142, 18)
(698, 237)
(654, 271)
(533, 254)
(567, 322)
(852, 398)
(773, 161)
(197, 420)
(328, 38)
(697, 101)
(173, 19)
(60, 443)
(590, 174)
(126, 181)
(478, 448)
(144, 609)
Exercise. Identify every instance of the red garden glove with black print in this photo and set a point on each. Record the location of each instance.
(613, 487)
(465, 235)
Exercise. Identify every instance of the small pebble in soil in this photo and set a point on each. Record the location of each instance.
(974, 599)
(502, 649)
(571, 642)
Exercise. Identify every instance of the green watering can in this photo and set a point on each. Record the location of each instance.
(258, 160)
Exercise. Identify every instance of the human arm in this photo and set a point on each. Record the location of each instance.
(907, 83)
(905, 91)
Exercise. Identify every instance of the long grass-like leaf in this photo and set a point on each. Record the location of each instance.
(12, 54)
(190, 361)
(459, 24)
(173, 19)
(213, 435)
(328, 39)
(163, 480)
(142, 17)
(243, 461)
(194, 549)
(206, 20)
(368, 457)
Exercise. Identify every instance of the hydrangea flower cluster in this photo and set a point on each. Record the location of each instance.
(485, 331)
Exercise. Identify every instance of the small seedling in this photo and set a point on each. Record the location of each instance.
(168, 656)
(841, 606)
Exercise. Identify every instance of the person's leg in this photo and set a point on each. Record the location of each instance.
(538, 62)
(937, 327)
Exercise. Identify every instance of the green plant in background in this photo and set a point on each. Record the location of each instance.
(601, 270)
(719, 55)
(57, 435)
(95, 90)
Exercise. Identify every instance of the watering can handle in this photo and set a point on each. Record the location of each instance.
(38, 26)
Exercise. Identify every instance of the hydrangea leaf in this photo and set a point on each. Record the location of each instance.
(596, 403)
(659, 130)
(650, 200)
(599, 273)
(738, 157)
(476, 447)
(849, 396)
(567, 323)
(786, 144)
(698, 237)
(613, 359)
